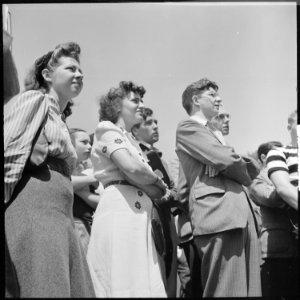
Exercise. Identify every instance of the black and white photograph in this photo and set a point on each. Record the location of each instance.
(151, 149)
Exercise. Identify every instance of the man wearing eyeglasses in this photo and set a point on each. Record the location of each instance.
(223, 222)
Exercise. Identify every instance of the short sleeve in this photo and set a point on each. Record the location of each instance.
(276, 161)
(21, 124)
(109, 138)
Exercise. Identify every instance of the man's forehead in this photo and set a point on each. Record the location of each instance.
(151, 118)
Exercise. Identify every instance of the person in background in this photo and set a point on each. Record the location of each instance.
(223, 222)
(221, 121)
(277, 243)
(85, 202)
(121, 255)
(39, 227)
(147, 134)
(185, 240)
(282, 167)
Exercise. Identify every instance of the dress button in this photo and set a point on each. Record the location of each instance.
(140, 193)
(138, 205)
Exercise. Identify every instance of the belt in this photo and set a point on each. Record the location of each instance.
(122, 182)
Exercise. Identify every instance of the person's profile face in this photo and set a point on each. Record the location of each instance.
(132, 109)
(82, 145)
(66, 78)
(292, 125)
(148, 130)
(210, 102)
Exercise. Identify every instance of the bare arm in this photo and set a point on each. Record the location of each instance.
(154, 191)
(284, 188)
(81, 181)
(135, 170)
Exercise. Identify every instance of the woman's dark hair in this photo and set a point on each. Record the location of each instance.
(266, 147)
(111, 103)
(34, 79)
(67, 111)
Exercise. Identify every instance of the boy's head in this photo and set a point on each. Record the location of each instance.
(81, 142)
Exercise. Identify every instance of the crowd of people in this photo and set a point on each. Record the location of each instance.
(99, 214)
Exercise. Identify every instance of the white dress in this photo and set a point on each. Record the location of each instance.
(121, 255)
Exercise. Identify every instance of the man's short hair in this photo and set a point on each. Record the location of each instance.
(266, 147)
(146, 112)
(196, 88)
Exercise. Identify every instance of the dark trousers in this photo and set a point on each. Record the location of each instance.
(194, 288)
(280, 277)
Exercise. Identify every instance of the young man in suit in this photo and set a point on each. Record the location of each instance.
(223, 223)
(146, 133)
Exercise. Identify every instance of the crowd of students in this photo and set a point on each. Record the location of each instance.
(99, 215)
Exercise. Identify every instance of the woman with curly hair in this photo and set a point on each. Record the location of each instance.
(39, 226)
(121, 255)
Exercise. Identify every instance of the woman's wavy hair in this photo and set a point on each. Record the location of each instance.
(34, 80)
(111, 103)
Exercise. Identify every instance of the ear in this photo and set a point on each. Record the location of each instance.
(46, 75)
(263, 157)
(195, 100)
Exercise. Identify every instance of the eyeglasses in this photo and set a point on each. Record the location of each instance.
(223, 116)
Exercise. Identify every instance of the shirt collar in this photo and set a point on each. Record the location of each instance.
(147, 146)
(199, 119)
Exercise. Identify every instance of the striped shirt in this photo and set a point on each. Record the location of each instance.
(21, 123)
(284, 159)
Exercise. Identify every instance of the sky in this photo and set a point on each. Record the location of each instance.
(248, 49)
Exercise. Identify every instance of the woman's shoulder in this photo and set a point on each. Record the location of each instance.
(105, 126)
(31, 97)
(32, 100)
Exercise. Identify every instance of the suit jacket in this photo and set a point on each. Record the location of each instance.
(215, 203)
(184, 227)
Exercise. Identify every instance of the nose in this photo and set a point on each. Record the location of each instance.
(79, 74)
(141, 104)
(218, 101)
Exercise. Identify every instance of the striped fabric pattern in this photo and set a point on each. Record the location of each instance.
(21, 124)
(284, 159)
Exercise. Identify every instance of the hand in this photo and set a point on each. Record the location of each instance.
(211, 171)
(161, 184)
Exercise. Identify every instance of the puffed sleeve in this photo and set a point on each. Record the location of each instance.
(21, 124)
(108, 138)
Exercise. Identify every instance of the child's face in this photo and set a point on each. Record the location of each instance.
(82, 145)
